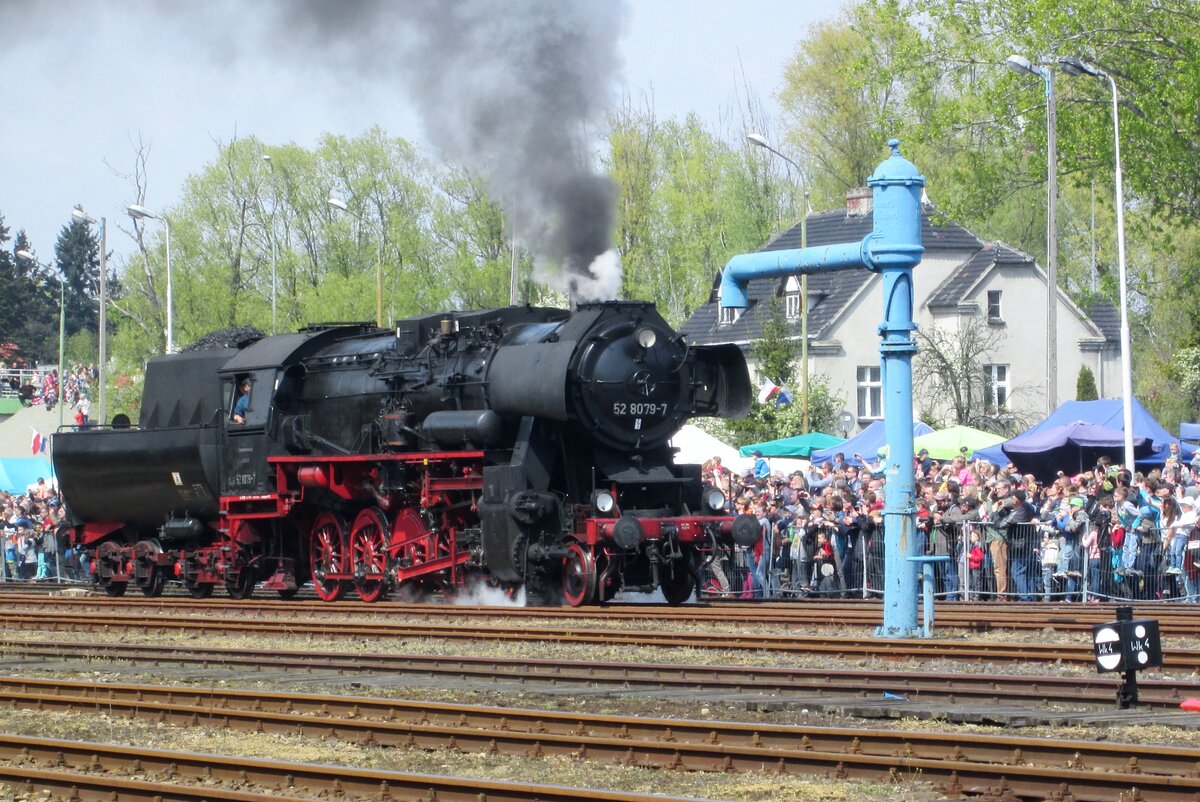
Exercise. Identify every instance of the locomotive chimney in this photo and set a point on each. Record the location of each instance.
(447, 326)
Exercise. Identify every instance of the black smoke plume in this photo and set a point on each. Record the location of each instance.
(510, 89)
(507, 88)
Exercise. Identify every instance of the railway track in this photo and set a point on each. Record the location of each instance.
(961, 763)
(1179, 620)
(91, 771)
(565, 676)
(840, 647)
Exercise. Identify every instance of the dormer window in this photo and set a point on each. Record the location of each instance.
(726, 317)
(791, 298)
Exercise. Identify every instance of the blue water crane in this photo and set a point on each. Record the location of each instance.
(893, 249)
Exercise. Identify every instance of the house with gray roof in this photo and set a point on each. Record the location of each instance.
(962, 283)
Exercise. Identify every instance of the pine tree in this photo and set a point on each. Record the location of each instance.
(1085, 385)
(77, 251)
(9, 319)
(28, 307)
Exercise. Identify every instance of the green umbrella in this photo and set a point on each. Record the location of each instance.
(948, 443)
(800, 446)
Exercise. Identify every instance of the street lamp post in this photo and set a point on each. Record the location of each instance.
(266, 157)
(761, 141)
(62, 327)
(141, 213)
(1024, 66)
(339, 204)
(102, 369)
(1074, 66)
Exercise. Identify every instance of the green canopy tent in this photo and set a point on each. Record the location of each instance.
(798, 447)
(948, 443)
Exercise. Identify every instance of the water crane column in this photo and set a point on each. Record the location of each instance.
(893, 249)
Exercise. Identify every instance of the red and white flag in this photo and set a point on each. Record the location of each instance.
(767, 391)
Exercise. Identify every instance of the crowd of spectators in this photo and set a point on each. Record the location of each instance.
(1009, 537)
(34, 386)
(33, 549)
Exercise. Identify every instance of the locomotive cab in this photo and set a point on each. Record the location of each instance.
(244, 469)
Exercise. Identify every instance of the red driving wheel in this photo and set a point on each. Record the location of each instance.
(579, 576)
(368, 550)
(326, 551)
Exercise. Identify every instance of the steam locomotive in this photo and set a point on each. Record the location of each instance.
(520, 447)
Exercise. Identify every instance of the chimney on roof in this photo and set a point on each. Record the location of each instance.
(858, 202)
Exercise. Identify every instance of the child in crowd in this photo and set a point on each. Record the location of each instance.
(1049, 552)
(975, 564)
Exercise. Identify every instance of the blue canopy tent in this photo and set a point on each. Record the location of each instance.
(18, 473)
(867, 443)
(1189, 434)
(1105, 412)
(1073, 447)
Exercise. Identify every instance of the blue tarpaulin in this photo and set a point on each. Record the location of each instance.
(867, 443)
(17, 473)
(1073, 447)
(1105, 412)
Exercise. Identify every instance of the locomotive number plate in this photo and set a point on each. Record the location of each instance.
(639, 409)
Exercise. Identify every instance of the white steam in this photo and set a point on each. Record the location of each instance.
(600, 282)
(481, 594)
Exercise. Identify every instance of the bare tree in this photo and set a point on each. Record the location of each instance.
(948, 371)
(153, 323)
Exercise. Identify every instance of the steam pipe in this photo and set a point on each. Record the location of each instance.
(893, 248)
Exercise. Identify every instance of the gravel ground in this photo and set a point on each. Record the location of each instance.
(551, 771)
(625, 653)
(558, 771)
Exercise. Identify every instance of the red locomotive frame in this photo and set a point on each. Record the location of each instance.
(409, 540)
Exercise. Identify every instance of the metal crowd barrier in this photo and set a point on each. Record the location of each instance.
(53, 565)
(787, 574)
(1039, 562)
(1025, 562)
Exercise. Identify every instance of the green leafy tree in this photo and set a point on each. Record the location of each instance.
(1085, 385)
(775, 352)
(770, 422)
(687, 201)
(931, 72)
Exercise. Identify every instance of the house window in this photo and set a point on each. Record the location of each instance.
(727, 316)
(995, 387)
(993, 309)
(870, 392)
(791, 298)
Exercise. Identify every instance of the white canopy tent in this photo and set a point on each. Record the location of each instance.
(698, 446)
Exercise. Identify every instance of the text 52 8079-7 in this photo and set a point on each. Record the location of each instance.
(640, 409)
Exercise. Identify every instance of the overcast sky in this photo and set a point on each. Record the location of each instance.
(85, 79)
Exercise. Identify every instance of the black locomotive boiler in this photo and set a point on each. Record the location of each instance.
(519, 446)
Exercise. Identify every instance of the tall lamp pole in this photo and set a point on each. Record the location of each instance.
(1074, 66)
(62, 327)
(761, 141)
(337, 203)
(1024, 66)
(141, 213)
(102, 370)
(266, 157)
